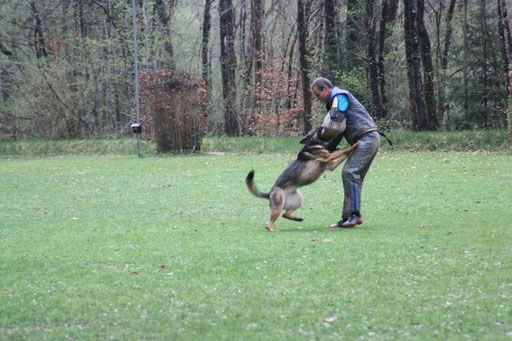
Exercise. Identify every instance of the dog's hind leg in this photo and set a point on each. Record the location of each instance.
(288, 215)
(293, 202)
(276, 206)
(342, 154)
(333, 164)
(333, 160)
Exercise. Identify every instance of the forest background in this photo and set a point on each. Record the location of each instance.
(67, 66)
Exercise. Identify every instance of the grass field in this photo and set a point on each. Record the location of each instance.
(174, 248)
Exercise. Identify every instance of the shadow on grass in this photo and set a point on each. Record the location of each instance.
(327, 228)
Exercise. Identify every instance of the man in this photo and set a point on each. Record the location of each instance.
(346, 112)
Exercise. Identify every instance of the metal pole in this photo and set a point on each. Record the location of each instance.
(136, 71)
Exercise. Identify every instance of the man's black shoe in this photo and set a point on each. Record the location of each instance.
(352, 221)
(338, 224)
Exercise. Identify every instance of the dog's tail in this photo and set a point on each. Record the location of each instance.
(249, 181)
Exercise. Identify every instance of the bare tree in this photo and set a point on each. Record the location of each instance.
(302, 28)
(205, 42)
(228, 66)
(39, 41)
(388, 14)
(416, 97)
(257, 37)
(352, 35)
(164, 16)
(331, 59)
(504, 32)
(443, 56)
(506, 26)
(428, 69)
(466, 51)
(372, 57)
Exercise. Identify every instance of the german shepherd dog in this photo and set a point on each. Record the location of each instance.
(312, 161)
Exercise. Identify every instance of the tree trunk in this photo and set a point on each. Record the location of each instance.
(383, 33)
(503, 43)
(442, 105)
(485, 53)
(506, 26)
(448, 35)
(246, 104)
(466, 48)
(39, 42)
(506, 29)
(417, 99)
(352, 36)
(257, 37)
(330, 46)
(389, 11)
(164, 18)
(228, 67)
(302, 28)
(428, 69)
(372, 57)
(291, 55)
(205, 43)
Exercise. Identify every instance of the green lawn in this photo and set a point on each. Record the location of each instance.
(175, 248)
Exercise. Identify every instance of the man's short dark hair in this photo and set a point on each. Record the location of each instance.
(320, 83)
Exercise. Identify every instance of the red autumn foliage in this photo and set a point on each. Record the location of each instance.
(279, 104)
(173, 109)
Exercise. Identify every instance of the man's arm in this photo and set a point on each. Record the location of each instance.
(338, 108)
(333, 127)
(334, 123)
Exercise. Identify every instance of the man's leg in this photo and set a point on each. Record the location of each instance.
(353, 174)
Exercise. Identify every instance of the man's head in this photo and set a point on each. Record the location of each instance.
(322, 88)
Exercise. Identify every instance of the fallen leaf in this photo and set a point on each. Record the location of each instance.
(331, 319)
(449, 233)
(314, 240)
(135, 273)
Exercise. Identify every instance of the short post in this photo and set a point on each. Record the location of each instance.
(137, 129)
